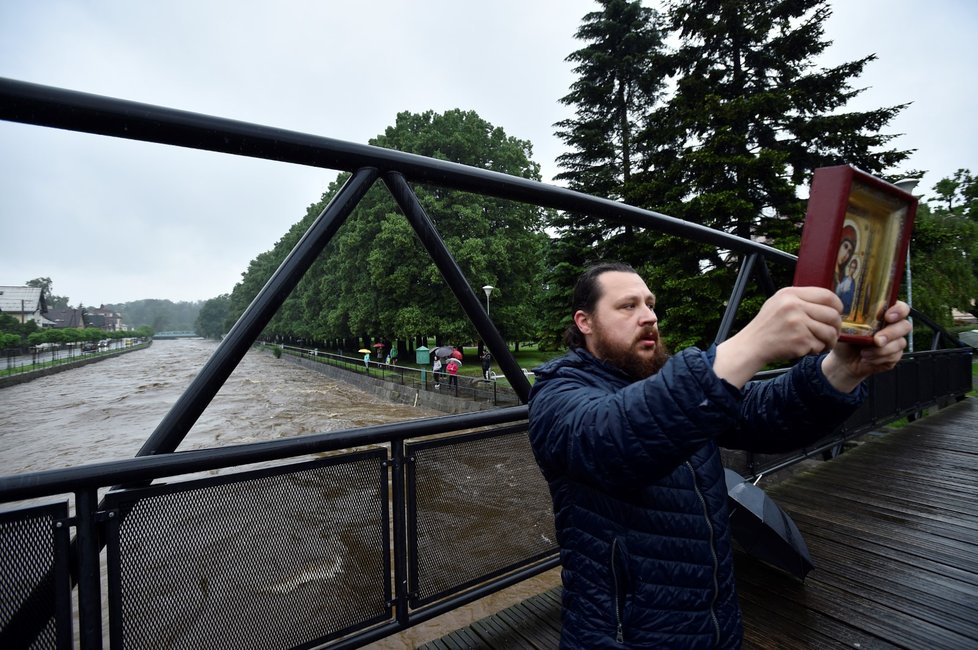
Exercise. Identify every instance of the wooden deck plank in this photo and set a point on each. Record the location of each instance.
(880, 620)
(892, 527)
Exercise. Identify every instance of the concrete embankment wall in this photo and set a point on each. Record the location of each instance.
(393, 391)
(24, 377)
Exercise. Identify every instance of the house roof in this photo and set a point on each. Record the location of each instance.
(68, 317)
(16, 300)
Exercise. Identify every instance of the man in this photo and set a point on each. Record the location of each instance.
(628, 440)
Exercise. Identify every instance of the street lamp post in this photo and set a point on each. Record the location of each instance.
(908, 185)
(488, 289)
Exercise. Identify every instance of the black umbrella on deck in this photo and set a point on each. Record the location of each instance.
(764, 530)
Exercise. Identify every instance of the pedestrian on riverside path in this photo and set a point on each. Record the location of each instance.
(452, 368)
(629, 440)
(436, 370)
(486, 363)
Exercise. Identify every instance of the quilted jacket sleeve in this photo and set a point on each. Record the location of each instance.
(790, 411)
(591, 429)
(587, 428)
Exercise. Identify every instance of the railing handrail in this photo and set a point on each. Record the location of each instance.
(144, 468)
(41, 105)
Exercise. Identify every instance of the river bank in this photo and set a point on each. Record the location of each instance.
(31, 375)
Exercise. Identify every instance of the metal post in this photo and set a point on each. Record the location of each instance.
(401, 588)
(908, 185)
(909, 297)
(89, 580)
(740, 286)
(446, 264)
(178, 422)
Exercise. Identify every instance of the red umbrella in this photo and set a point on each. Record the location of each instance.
(456, 354)
(379, 345)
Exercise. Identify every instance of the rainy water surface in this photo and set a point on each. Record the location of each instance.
(106, 410)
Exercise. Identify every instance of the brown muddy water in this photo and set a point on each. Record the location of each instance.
(105, 411)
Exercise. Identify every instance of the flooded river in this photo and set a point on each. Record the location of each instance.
(106, 411)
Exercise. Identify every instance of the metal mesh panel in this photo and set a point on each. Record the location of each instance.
(925, 377)
(34, 576)
(884, 393)
(481, 507)
(270, 559)
(906, 385)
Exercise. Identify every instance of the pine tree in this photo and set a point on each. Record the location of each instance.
(620, 79)
(751, 117)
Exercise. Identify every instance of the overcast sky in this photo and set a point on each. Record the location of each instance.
(112, 221)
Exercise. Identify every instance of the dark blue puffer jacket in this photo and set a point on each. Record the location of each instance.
(640, 501)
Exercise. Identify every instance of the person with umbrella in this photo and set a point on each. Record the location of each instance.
(443, 351)
(628, 438)
(366, 357)
(451, 366)
(380, 350)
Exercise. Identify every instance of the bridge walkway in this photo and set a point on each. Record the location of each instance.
(892, 527)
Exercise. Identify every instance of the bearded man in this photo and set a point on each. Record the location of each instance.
(628, 439)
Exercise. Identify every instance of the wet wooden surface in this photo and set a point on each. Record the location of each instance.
(892, 527)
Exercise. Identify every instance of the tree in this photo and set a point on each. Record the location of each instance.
(9, 341)
(46, 286)
(620, 81)
(944, 250)
(375, 282)
(621, 73)
(748, 121)
(159, 314)
(211, 320)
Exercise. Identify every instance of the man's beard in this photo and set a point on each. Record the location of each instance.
(625, 358)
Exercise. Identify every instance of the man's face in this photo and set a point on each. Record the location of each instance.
(623, 329)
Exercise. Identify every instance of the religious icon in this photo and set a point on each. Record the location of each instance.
(855, 240)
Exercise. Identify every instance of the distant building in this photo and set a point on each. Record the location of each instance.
(24, 304)
(67, 317)
(963, 317)
(104, 319)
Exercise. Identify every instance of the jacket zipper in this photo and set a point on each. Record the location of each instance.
(620, 634)
(713, 551)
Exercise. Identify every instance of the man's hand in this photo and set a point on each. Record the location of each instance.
(792, 323)
(848, 365)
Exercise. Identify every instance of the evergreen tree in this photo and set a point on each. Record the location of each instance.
(748, 121)
(620, 72)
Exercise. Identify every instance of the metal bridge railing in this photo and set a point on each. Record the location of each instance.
(338, 538)
(346, 537)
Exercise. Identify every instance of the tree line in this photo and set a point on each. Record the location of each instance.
(712, 111)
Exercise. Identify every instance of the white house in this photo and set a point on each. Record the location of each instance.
(24, 304)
